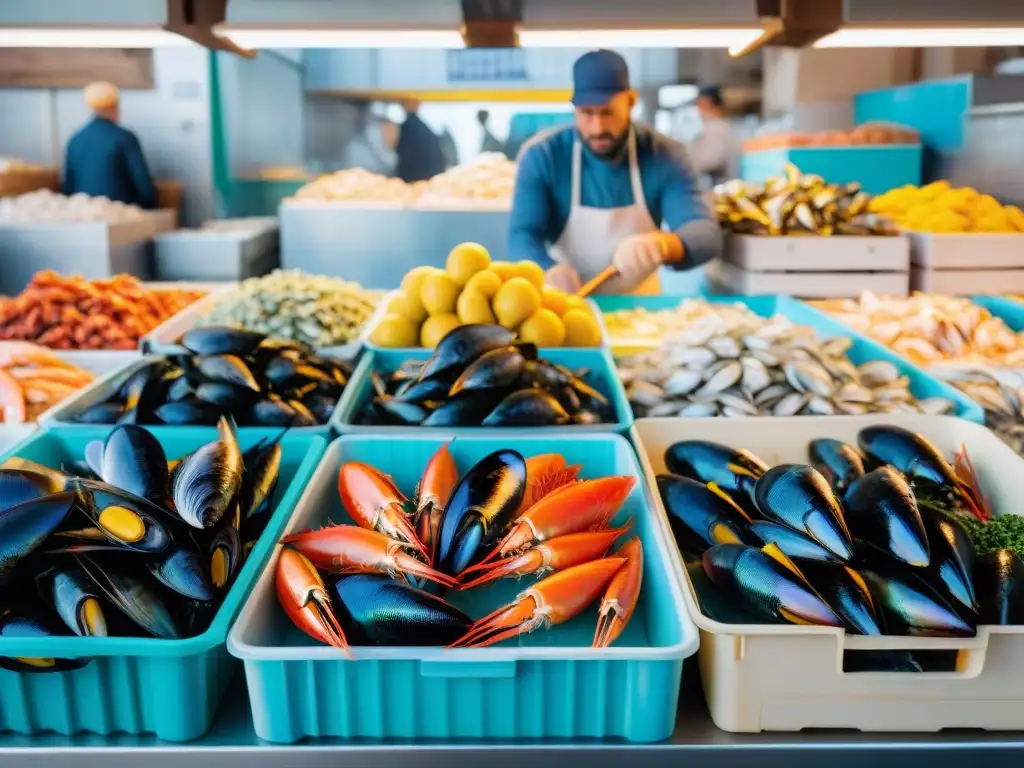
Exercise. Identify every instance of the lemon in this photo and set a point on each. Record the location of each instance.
(439, 293)
(486, 282)
(532, 271)
(503, 269)
(408, 305)
(554, 299)
(516, 300)
(394, 331)
(581, 329)
(466, 260)
(473, 307)
(544, 328)
(576, 302)
(413, 280)
(436, 328)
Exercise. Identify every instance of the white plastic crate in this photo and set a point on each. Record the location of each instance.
(968, 250)
(819, 285)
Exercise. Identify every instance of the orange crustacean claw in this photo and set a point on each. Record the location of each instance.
(582, 506)
(439, 480)
(621, 595)
(552, 600)
(554, 555)
(350, 549)
(302, 595)
(374, 502)
(545, 473)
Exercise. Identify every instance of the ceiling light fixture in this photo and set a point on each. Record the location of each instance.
(90, 37)
(253, 37)
(717, 37)
(923, 37)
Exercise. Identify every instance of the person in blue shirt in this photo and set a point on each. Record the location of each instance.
(104, 159)
(594, 194)
(419, 148)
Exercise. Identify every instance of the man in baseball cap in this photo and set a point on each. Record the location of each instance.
(596, 193)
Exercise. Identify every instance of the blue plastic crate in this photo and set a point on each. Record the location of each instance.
(547, 684)
(876, 168)
(1010, 311)
(170, 688)
(602, 377)
(862, 350)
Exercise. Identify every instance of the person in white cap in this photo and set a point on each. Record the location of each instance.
(104, 159)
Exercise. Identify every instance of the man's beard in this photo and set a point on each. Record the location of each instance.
(618, 142)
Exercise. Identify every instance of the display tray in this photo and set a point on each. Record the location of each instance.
(968, 250)
(187, 254)
(967, 280)
(819, 285)
(818, 254)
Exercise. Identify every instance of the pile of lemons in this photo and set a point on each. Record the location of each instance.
(939, 207)
(473, 289)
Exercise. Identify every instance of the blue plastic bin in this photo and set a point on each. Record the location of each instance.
(1010, 311)
(863, 349)
(547, 684)
(602, 377)
(876, 168)
(170, 688)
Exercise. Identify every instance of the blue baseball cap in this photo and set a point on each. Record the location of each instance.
(597, 77)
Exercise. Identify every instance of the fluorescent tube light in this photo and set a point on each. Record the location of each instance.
(638, 38)
(253, 38)
(89, 37)
(936, 37)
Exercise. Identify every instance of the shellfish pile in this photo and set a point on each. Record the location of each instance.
(728, 361)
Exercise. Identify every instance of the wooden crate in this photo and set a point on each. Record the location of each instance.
(967, 251)
(973, 281)
(808, 253)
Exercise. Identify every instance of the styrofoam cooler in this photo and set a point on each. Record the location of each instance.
(549, 683)
(760, 677)
(171, 688)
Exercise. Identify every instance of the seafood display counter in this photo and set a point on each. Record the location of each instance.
(219, 250)
(376, 246)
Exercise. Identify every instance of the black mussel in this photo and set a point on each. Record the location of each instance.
(206, 482)
(79, 468)
(262, 465)
(527, 349)
(569, 398)
(584, 390)
(496, 369)
(413, 391)
(134, 461)
(141, 392)
(467, 410)
(798, 496)
(791, 542)
(190, 411)
(93, 457)
(25, 526)
(401, 412)
(134, 597)
(710, 518)
(840, 463)
(766, 583)
(882, 512)
(225, 395)
(846, 593)
(57, 478)
(128, 521)
(527, 408)
(183, 571)
(538, 373)
(303, 416)
(225, 554)
(375, 610)
(479, 509)
(999, 584)
(227, 369)
(276, 345)
(100, 413)
(734, 471)
(910, 607)
(20, 485)
(78, 602)
(180, 389)
(273, 412)
(951, 563)
(280, 370)
(320, 405)
(222, 340)
(463, 345)
(20, 624)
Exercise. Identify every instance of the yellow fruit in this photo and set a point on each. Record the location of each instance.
(554, 299)
(394, 331)
(487, 282)
(408, 306)
(544, 328)
(581, 329)
(466, 260)
(516, 300)
(503, 269)
(439, 293)
(532, 271)
(576, 302)
(473, 307)
(413, 280)
(436, 328)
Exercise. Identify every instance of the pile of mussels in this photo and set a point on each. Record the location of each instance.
(258, 381)
(128, 543)
(875, 539)
(479, 375)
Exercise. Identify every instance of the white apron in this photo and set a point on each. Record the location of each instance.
(591, 235)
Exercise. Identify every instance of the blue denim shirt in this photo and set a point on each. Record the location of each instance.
(105, 159)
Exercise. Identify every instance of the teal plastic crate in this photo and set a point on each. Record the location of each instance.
(63, 414)
(602, 377)
(547, 684)
(1010, 311)
(876, 168)
(863, 349)
(170, 688)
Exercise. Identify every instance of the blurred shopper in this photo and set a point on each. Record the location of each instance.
(490, 142)
(716, 150)
(419, 149)
(449, 151)
(104, 159)
(597, 192)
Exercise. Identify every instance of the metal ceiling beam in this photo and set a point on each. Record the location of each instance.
(195, 19)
